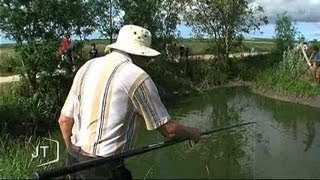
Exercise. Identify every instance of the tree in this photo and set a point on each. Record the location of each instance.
(106, 16)
(285, 32)
(159, 16)
(223, 21)
(31, 20)
(36, 26)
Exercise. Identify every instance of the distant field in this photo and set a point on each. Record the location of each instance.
(6, 52)
(200, 46)
(197, 47)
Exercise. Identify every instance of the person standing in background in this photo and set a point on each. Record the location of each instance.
(93, 53)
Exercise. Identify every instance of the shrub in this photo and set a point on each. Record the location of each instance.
(284, 77)
(26, 116)
(8, 61)
(292, 63)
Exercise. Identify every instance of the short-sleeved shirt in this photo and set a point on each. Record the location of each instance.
(63, 46)
(317, 57)
(107, 97)
(93, 53)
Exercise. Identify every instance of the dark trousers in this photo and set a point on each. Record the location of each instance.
(112, 170)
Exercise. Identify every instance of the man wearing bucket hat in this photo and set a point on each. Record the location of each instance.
(108, 95)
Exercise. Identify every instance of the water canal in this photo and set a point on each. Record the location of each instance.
(285, 142)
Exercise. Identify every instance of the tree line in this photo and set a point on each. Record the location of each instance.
(223, 21)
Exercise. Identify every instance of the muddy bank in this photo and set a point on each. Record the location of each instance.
(313, 102)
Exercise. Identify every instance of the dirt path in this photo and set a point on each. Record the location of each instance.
(237, 55)
(13, 78)
(9, 78)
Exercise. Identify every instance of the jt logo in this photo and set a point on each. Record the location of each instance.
(44, 150)
(37, 151)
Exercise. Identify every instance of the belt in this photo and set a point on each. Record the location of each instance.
(76, 151)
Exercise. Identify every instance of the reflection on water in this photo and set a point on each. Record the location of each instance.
(285, 142)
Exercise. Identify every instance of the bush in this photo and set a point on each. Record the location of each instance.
(292, 63)
(26, 116)
(209, 73)
(284, 78)
(8, 61)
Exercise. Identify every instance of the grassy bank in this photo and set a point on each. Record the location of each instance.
(289, 77)
(19, 162)
(280, 82)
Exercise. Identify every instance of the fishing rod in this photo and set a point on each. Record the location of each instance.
(99, 161)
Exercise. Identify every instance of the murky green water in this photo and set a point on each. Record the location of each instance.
(285, 142)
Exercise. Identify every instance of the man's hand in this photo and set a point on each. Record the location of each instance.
(195, 135)
(174, 130)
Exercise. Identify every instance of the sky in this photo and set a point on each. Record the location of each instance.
(299, 10)
(305, 13)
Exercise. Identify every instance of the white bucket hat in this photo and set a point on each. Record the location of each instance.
(134, 40)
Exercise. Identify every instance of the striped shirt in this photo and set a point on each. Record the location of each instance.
(317, 57)
(107, 97)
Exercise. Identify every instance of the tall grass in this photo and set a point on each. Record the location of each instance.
(288, 78)
(17, 161)
(8, 61)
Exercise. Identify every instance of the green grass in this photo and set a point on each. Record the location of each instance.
(6, 65)
(200, 46)
(197, 47)
(17, 162)
(6, 88)
(278, 81)
(260, 46)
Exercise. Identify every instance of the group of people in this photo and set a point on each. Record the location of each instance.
(66, 48)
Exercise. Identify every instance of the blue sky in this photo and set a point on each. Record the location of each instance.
(310, 30)
(305, 13)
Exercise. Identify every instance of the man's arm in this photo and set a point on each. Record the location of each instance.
(150, 107)
(175, 130)
(66, 124)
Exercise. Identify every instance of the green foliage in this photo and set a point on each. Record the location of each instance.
(292, 63)
(36, 26)
(104, 12)
(28, 115)
(167, 76)
(8, 61)
(278, 81)
(223, 21)
(31, 20)
(18, 162)
(285, 33)
(284, 77)
(248, 68)
(36, 58)
(158, 16)
(207, 74)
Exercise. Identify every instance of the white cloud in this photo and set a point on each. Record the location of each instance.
(299, 10)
